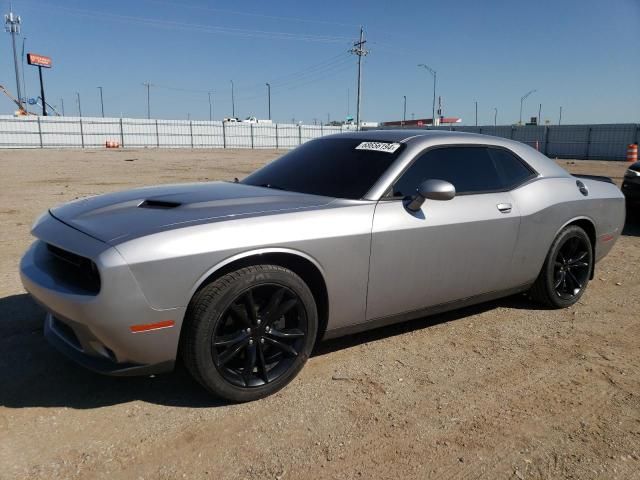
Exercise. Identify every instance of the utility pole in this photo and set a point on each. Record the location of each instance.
(148, 85)
(62, 105)
(539, 114)
(522, 99)
(404, 110)
(233, 102)
(24, 83)
(476, 113)
(269, 98)
(560, 118)
(495, 117)
(101, 102)
(348, 105)
(433, 107)
(13, 26)
(210, 106)
(359, 50)
(328, 119)
(79, 106)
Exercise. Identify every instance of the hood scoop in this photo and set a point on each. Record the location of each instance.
(159, 204)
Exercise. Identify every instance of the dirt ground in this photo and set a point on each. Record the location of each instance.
(500, 390)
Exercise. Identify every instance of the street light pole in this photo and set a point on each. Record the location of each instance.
(522, 99)
(539, 114)
(560, 118)
(148, 85)
(210, 106)
(433, 107)
(269, 98)
(233, 102)
(79, 106)
(62, 105)
(495, 117)
(101, 102)
(476, 102)
(404, 111)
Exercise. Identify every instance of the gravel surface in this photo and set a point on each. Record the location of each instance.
(500, 390)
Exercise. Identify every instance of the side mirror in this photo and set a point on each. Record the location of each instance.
(432, 190)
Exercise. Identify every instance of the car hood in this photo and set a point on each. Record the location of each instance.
(115, 217)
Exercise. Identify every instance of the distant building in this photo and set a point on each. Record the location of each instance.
(421, 122)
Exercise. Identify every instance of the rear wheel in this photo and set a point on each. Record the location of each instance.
(566, 270)
(250, 332)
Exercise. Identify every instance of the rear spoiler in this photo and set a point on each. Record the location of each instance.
(595, 177)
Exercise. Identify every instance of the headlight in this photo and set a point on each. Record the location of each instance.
(631, 173)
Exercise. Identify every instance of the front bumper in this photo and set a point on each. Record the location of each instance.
(94, 329)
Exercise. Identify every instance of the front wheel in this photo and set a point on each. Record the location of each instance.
(250, 332)
(566, 270)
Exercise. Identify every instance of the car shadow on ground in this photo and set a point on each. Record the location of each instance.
(34, 374)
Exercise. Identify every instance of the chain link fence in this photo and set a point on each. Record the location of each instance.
(583, 142)
(87, 132)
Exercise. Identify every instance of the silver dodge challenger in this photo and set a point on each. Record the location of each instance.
(345, 233)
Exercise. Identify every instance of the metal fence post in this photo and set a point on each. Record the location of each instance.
(40, 131)
(81, 133)
(299, 134)
(511, 134)
(588, 143)
(157, 135)
(637, 133)
(321, 130)
(251, 133)
(121, 134)
(276, 136)
(224, 135)
(191, 132)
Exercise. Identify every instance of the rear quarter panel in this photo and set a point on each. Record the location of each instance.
(549, 204)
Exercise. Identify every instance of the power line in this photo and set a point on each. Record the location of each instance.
(247, 14)
(214, 29)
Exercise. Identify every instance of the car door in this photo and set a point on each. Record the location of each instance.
(448, 250)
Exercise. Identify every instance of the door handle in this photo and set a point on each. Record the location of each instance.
(504, 207)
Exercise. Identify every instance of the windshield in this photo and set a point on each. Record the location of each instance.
(332, 167)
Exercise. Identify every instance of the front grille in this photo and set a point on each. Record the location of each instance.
(74, 270)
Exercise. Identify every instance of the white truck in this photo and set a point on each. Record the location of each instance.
(256, 120)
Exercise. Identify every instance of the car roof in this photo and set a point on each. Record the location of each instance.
(418, 139)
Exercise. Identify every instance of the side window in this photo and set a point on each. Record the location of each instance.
(511, 169)
(469, 169)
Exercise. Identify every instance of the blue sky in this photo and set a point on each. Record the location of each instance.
(578, 54)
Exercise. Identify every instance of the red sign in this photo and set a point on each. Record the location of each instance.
(38, 60)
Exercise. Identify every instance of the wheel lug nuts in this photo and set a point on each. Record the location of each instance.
(251, 342)
(259, 321)
(248, 330)
(262, 340)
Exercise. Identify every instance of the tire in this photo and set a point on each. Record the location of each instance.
(565, 275)
(241, 356)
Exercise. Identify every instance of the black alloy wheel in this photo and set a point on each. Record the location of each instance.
(248, 333)
(566, 270)
(571, 267)
(260, 335)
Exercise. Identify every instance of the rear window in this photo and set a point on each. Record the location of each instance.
(332, 167)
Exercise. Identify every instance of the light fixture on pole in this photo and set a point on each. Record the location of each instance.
(433, 107)
(522, 99)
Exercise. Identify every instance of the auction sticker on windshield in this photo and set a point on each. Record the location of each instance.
(379, 146)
